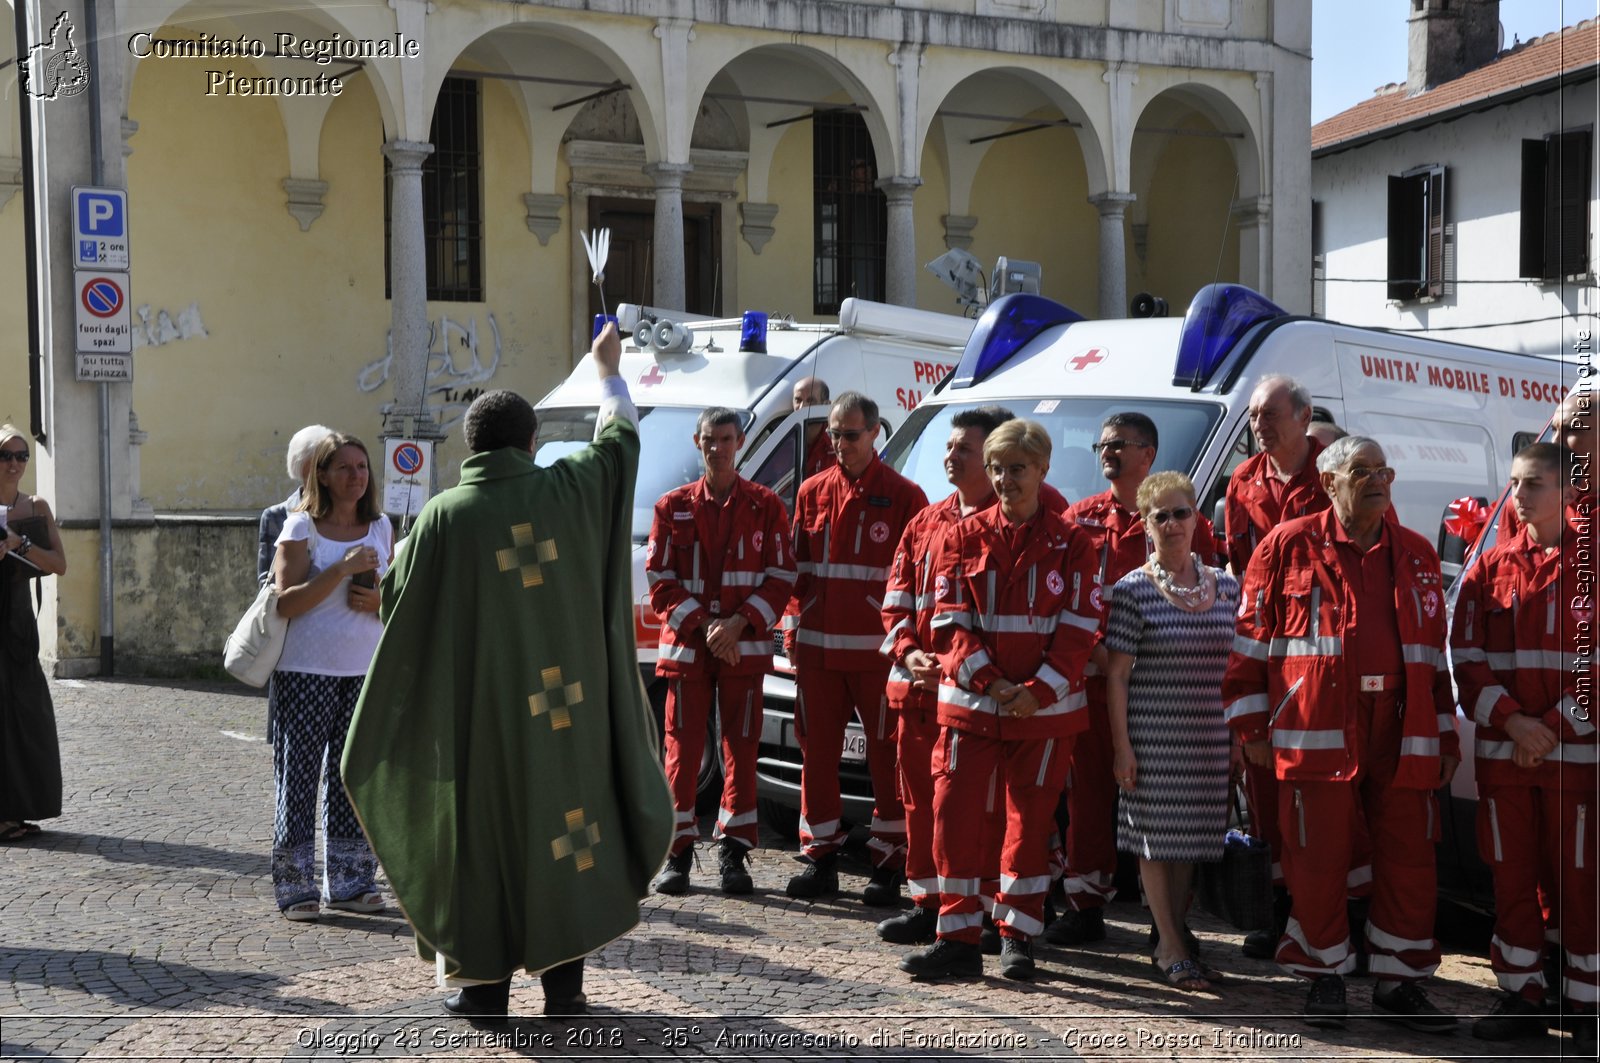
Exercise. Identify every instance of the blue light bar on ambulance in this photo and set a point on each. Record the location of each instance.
(1011, 323)
(753, 332)
(1216, 320)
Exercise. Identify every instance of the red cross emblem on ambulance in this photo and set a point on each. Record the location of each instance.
(1087, 360)
(652, 376)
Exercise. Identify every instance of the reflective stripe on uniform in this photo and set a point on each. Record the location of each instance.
(827, 641)
(1284, 738)
(676, 652)
(1321, 646)
(1414, 746)
(681, 613)
(1564, 752)
(1245, 646)
(898, 599)
(971, 666)
(1019, 624)
(1419, 653)
(1055, 679)
(834, 570)
(1249, 705)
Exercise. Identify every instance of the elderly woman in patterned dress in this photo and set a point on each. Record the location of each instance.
(1169, 631)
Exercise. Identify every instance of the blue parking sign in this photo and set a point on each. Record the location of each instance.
(100, 228)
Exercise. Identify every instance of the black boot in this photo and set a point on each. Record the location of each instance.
(883, 890)
(819, 879)
(730, 866)
(486, 1002)
(945, 958)
(563, 989)
(916, 927)
(674, 878)
(1263, 944)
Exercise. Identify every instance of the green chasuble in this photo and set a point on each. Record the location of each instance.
(503, 758)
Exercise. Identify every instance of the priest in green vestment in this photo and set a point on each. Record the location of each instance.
(502, 759)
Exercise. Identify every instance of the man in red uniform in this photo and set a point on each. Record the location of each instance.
(1279, 483)
(914, 675)
(1127, 450)
(1338, 682)
(1515, 647)
(1015, 619)
(720, 573)
(813, 391)
(847, 522)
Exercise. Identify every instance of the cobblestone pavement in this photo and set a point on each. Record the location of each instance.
(141, 925)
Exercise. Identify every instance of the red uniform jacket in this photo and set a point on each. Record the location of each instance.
(845, 534)
(1250, 512)
(819, 457)
(688, 586)
(1029, 619)
(1289, 679)
(908, 599)
(1515, 649)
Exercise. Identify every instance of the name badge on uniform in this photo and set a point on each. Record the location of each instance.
(879, 500)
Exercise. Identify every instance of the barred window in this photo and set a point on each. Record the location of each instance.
(452, 196)
(851, 215)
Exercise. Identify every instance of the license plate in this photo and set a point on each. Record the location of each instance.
(855, 747)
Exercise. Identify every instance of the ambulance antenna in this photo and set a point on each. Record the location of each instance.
(1227, 219)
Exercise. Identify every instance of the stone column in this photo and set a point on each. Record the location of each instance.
(1255, 245)
(668, 244)
(1113, 206)
(900, 257)
(408, 288)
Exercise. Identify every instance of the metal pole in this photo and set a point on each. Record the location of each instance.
(98, 169)
(30, 240)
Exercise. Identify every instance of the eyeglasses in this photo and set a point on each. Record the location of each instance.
(1116, 445)
(1161, 516)
(18, 456)
(1383, 474)
(847, 434)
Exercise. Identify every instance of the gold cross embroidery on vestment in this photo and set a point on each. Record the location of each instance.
(556, 698)
(578, 842)
(517, 556)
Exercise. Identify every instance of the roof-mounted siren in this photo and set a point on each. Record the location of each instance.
(1216, 321)
(961, 271)
(1014, 275)
(1011, 323)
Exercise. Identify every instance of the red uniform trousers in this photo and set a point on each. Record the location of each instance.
(1532, 836)
(1091, 842)
(1028, 775)
(1318, 822)
(916, 739)
(738, 699)
(1261, 790)
(824, 703)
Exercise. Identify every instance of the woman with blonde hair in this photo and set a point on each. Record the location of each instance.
(331, 552)
(30, 548)
(1169, 630)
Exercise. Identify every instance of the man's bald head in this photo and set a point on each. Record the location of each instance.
(810, 391)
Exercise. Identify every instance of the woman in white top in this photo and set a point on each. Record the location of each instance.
(331, 552)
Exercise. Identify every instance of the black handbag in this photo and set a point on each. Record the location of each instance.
(1238, 887)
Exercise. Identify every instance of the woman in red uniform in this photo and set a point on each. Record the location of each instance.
(1015, 614)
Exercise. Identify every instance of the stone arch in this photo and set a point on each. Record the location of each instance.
(1196, 173)
(1000, 132)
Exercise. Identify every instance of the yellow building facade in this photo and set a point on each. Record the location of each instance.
(374, 259)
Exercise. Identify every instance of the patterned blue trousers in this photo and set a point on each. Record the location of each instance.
(312, 713)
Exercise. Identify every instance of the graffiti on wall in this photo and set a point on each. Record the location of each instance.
(457, 368)
(157, 328)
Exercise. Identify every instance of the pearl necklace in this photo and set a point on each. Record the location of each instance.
(1189, 596)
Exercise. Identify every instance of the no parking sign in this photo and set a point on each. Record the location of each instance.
(406, 475)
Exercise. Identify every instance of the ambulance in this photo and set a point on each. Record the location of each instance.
(1449, 416)
(676, 365)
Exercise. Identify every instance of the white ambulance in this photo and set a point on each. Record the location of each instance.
(1449, 416)
(676, 365)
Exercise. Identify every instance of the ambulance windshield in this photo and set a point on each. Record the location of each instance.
(917, 450)
(667, 457)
